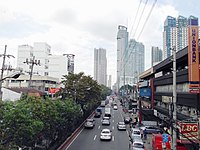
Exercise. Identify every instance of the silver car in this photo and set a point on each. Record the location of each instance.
(121, 126)
(90, 123)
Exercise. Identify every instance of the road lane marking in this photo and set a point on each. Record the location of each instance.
(113, 127)
(113, 138)
(74, 139)
(113, 120)
(99, 127)
(95, 137)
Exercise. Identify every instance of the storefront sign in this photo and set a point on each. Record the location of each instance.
(188, 131)
(166, 99)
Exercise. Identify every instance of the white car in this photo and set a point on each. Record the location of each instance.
(136, 145)
(105, 122)
(135, 133)
(121, 126)
(106, 134)
(115, 107)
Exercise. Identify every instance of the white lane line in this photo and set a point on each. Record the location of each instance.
(99, 127)
(95, 137)
(74, 139)
(113, 120)
(113, 138)
(113, 127)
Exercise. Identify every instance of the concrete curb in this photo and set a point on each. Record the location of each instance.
(74, 134)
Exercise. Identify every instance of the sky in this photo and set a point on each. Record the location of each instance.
(79, 26)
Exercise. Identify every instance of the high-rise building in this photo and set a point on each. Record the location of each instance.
(169, 36)
(156, 55)
(175, 35)
(110, 81)
(182, 33)
(134, 62)
(100, 66)
(122, 42)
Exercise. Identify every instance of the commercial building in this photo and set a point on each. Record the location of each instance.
(48, 64)
(156, 89)
(100, 66)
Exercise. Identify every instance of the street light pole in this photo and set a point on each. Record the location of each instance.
(174, 136)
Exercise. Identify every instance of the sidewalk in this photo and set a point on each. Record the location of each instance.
(148, 141)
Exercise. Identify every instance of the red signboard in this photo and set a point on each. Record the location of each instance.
(188, 131)
(53, 90)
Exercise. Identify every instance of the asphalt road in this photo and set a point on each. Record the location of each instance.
(89, 139)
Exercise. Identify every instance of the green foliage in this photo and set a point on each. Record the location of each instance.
(27, 121)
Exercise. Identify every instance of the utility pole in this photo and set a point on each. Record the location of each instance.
(3, 68)
(31, 62)
(174, 119)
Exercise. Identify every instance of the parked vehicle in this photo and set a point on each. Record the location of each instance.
(135, 133)
(106, 134)
(151, 129)
(136, 145)
(157, 143)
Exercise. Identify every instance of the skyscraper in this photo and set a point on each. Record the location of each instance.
(100, 66)
(182, 33)
(169, 36)
(156, 55)
(134, 62)
(175, 35)
(122, 42)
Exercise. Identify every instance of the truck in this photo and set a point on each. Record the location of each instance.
(103, 104)
(107, 112)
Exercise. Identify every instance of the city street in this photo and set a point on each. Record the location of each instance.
(90, 138)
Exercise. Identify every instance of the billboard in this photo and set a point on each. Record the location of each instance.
(188, 130)
(193, 54)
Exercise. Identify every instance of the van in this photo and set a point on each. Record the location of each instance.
(157, 143)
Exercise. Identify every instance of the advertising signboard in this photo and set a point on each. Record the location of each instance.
(193, 54)
(188, 130)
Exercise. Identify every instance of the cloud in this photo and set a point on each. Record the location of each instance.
(21, 26)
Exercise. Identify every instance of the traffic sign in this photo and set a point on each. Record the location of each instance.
(165, 138)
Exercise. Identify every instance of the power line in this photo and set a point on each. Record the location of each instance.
(142, 28)
(135, 17)
(147, 18)
(140, 18)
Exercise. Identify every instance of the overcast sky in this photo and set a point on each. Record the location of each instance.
(79, 26)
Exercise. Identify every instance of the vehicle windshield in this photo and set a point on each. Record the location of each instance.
(138, 145)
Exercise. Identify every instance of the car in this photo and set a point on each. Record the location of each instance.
(121, 126)
(115, 107)
(135, 133)
(105, 122)
(127, 120)
(90, 123)
(151, 129)
(97, 114)
(106, 134)
(136, 145)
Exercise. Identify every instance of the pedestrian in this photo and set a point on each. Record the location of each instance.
(145, 134)
(142, 133)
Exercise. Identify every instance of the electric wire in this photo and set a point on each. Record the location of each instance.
(140, 18)
(142, 29)
(134, 21)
